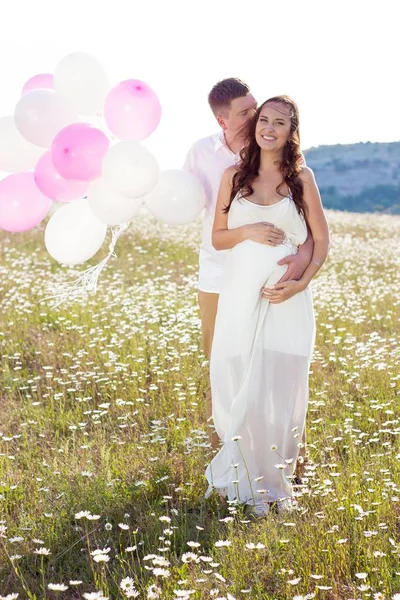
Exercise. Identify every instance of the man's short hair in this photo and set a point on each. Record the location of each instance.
(224, 92)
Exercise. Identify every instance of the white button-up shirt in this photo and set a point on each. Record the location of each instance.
(207, 160)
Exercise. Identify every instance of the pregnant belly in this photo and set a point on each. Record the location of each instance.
(250, 265)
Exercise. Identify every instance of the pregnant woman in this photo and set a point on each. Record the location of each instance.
(264, 331)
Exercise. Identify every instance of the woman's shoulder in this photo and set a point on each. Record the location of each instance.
(307, 175)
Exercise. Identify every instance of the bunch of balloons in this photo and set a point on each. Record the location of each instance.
(102, 173)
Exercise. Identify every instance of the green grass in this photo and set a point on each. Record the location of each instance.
(103, 410)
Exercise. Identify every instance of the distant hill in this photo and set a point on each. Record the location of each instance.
(363, 177)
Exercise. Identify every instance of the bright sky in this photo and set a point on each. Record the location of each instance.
(338, 59)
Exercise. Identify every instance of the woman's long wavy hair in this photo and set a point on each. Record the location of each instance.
(290, 165)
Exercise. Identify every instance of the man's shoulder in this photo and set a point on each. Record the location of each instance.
(205, 144)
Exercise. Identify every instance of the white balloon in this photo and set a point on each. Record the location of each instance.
(178, 198)
(82, 81)
(73, 234)
(109, 206)
(41, 114)
(130, 169)
(16, 153)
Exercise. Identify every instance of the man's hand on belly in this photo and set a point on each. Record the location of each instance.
(297, 263)
(282, 291)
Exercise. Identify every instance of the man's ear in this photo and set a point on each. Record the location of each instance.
(221, 123)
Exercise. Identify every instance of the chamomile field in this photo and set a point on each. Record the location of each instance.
(104, 441)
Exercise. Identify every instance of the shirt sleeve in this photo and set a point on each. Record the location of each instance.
(189, 164)
(193, 165)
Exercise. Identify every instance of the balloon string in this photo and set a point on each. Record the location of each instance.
(88, 280)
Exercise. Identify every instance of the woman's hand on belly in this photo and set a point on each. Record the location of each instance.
(282, 291)
(264, 233)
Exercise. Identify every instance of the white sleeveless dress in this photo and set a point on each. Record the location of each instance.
(259, 362)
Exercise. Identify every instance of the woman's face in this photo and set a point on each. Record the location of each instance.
(273, 126)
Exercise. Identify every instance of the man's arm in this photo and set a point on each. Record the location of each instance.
(320, 232)
(189, 164)
(298, 263)
(194, 166)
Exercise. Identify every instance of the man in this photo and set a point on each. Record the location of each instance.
(233, 106)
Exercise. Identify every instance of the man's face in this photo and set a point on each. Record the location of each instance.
(241, 111)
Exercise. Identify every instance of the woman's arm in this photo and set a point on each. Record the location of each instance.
(320, 233)
(224, 238)
(298, 263)
(317, 224)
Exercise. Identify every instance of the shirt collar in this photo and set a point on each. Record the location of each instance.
(221, 143)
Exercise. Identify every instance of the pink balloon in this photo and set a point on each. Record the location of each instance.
(132, 110)
(78, 151)
(22, 204)
(38, 82)
(52, 185)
